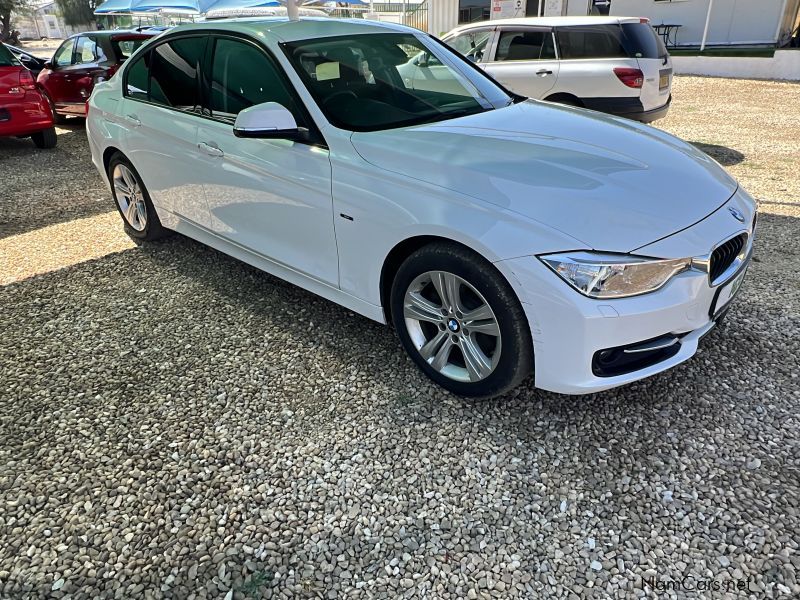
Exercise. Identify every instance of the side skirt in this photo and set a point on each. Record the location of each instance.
(315, 286)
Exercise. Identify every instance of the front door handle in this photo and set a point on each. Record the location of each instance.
(544, 73)
(133, 120)
(210, 148)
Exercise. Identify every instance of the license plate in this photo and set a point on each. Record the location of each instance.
(728, 292)
(663, 82)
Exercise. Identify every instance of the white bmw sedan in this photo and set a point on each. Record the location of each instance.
(502, 237)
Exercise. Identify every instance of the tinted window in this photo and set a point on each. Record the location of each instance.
(136, 86)
(63, 55)
(6, 58)
(593, 41)
(241, 76)
(525, 45)
(471, 44)
(85, 50)
(175, 73)
(642, 42)
(124, 48)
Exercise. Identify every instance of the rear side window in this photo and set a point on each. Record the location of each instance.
(591, 41)
(642, 42)
(137, 78)
(124, 48)
(6, 58)
(242, 76)
(175, 73)
(525, 45)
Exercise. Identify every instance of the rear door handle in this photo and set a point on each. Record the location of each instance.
(544, 72)
(210, 148)
(133, 120)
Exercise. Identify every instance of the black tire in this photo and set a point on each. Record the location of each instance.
(515, 361)
(46, 138)
(153, 229)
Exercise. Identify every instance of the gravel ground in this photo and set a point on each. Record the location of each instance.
(176, 424)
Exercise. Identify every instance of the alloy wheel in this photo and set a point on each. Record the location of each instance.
(452, 326)
(130, 197)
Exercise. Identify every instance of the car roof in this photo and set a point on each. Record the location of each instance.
(114, 33)
(551, 22)
(286, 30)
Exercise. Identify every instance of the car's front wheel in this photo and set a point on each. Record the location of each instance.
(133, 201)
(461, 322)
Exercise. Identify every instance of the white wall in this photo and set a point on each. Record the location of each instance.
(442, 16)
(732, 21)
(784, 65)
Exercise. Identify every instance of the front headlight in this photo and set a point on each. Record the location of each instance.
(600, 275)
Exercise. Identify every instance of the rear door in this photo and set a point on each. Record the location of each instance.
(524, 60)
(160, 112)
(655, 62)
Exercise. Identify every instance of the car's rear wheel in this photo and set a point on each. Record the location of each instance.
(133, 201)
(461, 322)
(46, 138)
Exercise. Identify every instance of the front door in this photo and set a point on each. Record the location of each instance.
(524, 61)
(271, 196)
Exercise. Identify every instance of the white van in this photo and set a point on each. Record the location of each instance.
(617, 65)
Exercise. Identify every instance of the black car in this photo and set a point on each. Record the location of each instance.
(34, 63)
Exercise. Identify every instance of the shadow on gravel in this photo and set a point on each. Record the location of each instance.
(45, 187)
(722, 154)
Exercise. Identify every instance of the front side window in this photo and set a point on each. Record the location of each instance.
(591, 41)
(85, 51)
(175, 73)
(362, 82)
(242, 76)
(525, 45)
(471, 44)
(63, 55)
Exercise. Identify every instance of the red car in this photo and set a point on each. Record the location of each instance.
(80, 62)
(23, 109)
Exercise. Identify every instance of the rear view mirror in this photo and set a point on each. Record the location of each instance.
(269, 120)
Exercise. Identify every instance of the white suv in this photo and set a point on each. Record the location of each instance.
(617, 65)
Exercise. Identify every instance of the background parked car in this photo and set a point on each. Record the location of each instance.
(23, 110)
(81, 61)
(616, 65)
(34, 63)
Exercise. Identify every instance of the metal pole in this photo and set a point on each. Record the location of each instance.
(292, 11)
(541, 8)
(404, 13)
(781, 17)
(705, 29)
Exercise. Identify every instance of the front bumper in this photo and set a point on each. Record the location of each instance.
(570, 330)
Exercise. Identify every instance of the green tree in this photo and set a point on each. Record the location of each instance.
(77, 12)
(6, 7)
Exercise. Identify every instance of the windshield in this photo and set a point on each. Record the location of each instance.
(379, 81)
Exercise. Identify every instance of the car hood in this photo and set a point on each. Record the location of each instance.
(612, 184)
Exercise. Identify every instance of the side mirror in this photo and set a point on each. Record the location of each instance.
(422, 60)
(48, 65)
(269, 120)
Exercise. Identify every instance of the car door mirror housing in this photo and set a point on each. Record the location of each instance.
(49, 65)
(269, 120)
